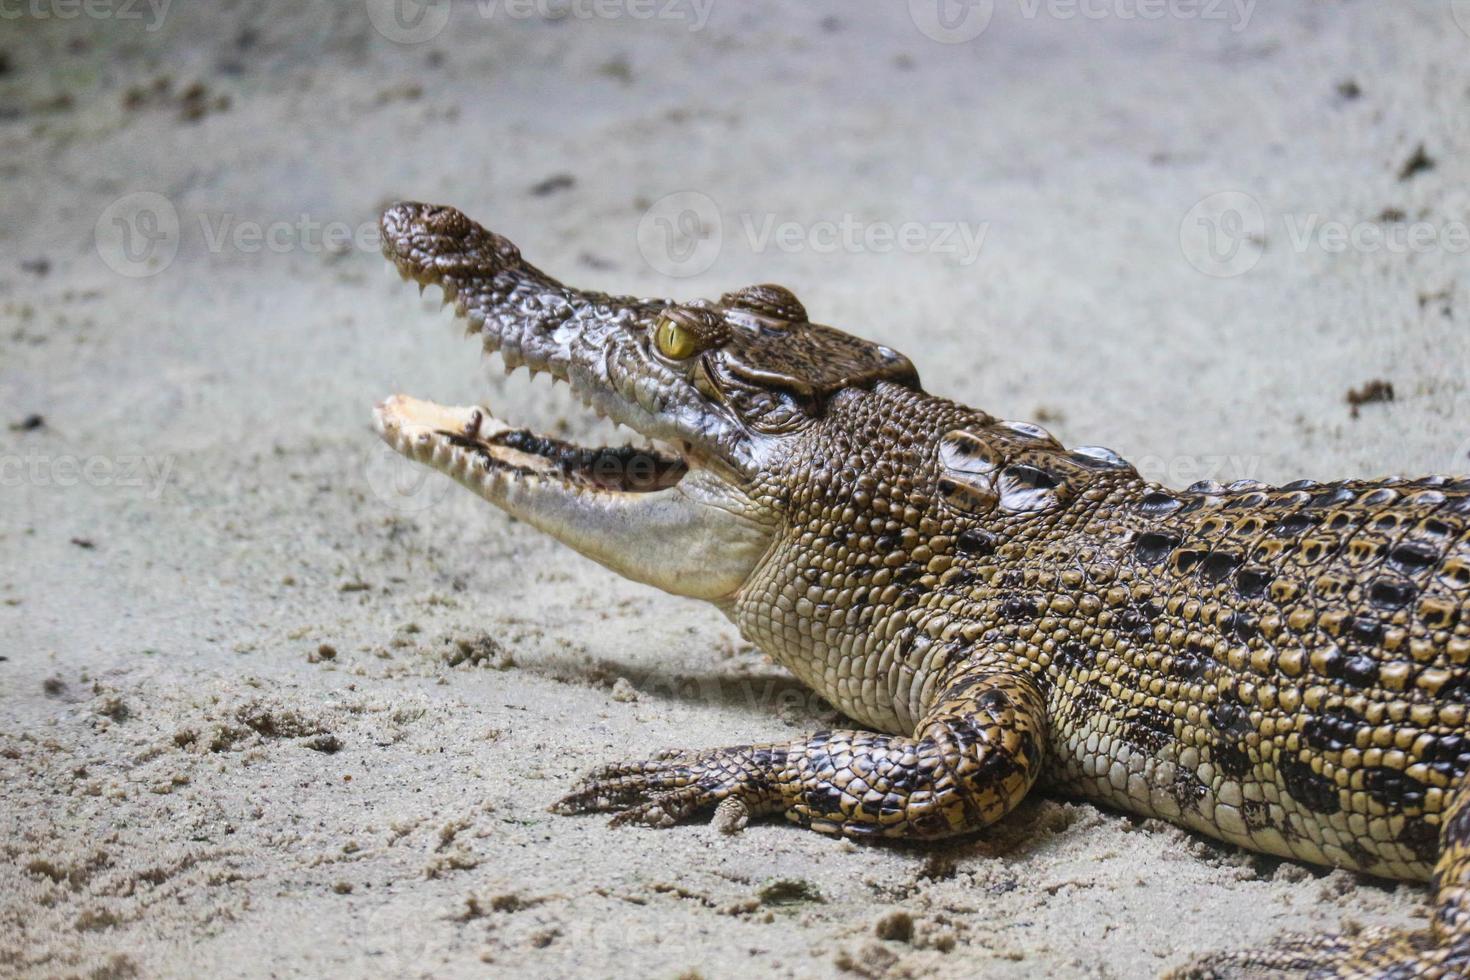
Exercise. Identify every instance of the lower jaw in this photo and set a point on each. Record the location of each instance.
(671, 533)
(475, 447)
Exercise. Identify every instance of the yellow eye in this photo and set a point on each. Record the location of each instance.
(674, 341)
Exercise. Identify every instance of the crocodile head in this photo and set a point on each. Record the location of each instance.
(723, 388)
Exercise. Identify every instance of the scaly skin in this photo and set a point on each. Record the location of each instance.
(1284, 668)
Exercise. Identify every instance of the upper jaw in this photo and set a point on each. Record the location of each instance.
(594, 341)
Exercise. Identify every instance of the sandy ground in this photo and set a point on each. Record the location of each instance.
(270, 705)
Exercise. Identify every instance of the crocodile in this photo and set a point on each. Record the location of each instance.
(1282, 668)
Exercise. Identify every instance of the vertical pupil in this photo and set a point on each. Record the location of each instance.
(674, 342)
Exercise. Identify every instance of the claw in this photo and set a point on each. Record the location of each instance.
(659, 792)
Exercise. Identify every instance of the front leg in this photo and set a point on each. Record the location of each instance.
(971, 759)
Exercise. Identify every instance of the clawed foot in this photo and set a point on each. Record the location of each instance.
(676, 785)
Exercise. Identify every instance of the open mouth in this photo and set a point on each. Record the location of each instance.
(470, 443)
(473, 445)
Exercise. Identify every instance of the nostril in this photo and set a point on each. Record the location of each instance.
(447, 221)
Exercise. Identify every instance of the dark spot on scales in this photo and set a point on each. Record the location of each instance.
(1219, 564)
(1332, 731)
(1296, 524)
(976, 542)
(1230, 719)
(1189, 666)
(1187, 789)
(1360, 671)
(1313, 791)
(1030, 477)
(1394, 788)
(1367, 631)
(1156, 503)
(1387, 593)
(1246, 626)
(1253, 580)
(1421, 838)
(1136, 621)
(1071, 656)
(1151, 729)
(1414, 556)
(1020, 607)
(1153, 547)
(1230, 758)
